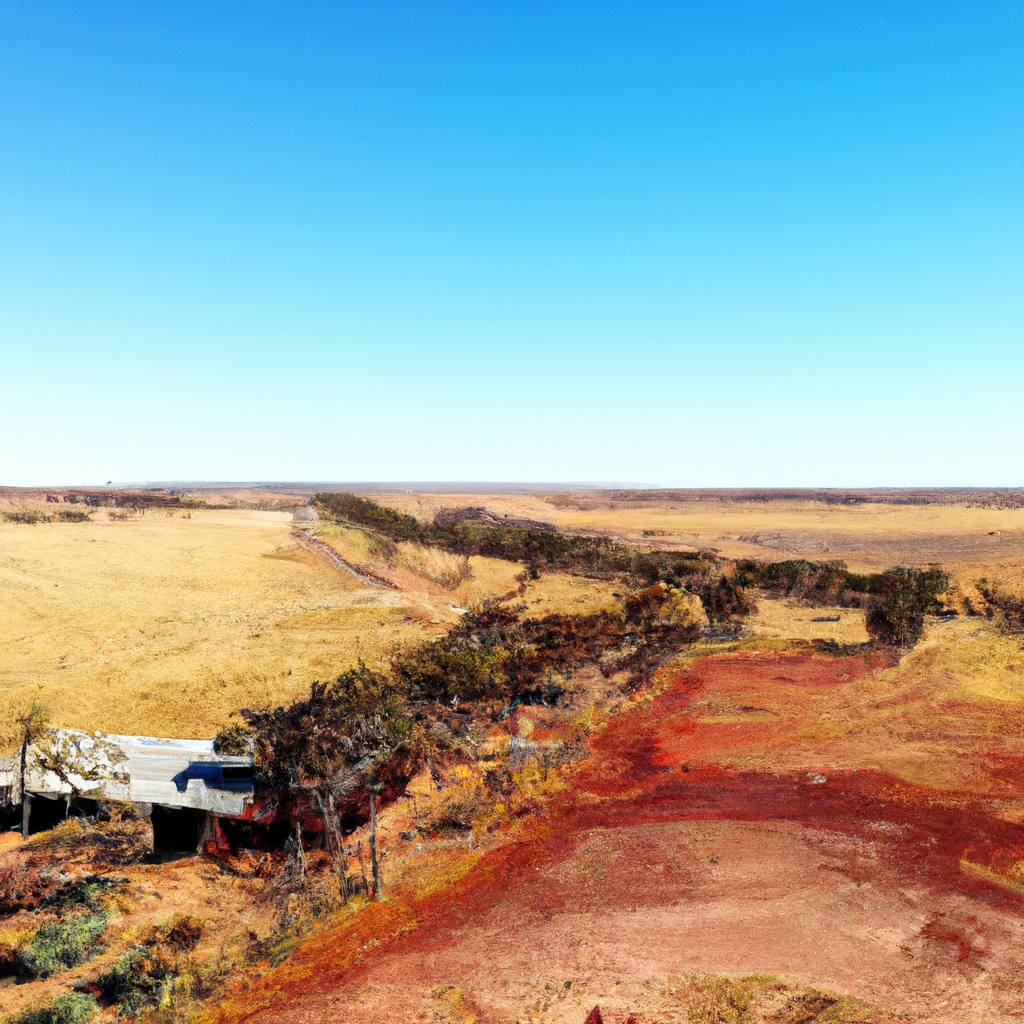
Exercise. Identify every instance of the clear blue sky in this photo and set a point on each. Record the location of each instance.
(684, 244)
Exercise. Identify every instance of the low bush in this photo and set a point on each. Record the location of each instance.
(72, 515)
(1009, 606)
(61, 945)
(899, 601)
(26, 517)
(233, 740)
(139, 978)
(150, 972)
(76, 1008)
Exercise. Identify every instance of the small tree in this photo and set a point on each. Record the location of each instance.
(902, 598)
(78, 759)
(323, 748)
(32, 724)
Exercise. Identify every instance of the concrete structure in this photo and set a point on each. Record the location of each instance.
(175, 775)
(8, 782)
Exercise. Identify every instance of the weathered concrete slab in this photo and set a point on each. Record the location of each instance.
(139, 769)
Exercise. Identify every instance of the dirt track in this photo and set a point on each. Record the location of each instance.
(328, 554)
(831, 874)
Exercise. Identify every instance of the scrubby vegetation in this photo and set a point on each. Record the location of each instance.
(380, 725)
(490, 662)
(325, 759)
(753, 998)
(61, 945)
(1008, 606)
(154, 970)
(895, 601)
(536, 545)
(75, 1008)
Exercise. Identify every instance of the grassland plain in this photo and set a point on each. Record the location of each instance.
(165, 623)
(969, 540)
(168, 622)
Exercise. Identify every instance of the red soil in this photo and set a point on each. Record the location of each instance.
(844, 878)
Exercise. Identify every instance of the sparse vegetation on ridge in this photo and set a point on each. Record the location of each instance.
(438, 703)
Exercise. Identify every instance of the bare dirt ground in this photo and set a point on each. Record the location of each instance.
(667, 856)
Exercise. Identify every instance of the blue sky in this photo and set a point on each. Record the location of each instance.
(682, 244)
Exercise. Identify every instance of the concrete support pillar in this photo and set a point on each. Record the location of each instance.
(212, 840)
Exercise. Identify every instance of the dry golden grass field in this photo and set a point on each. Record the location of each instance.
(169, 621)
(166, 623)
(970, 541)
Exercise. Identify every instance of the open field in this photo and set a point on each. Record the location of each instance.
(870, 536)
(165, 623)
(168, 622)
(789, 824)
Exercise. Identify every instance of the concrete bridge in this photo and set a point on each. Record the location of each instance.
(185, 786)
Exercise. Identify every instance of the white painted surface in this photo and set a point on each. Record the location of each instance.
(170, 772)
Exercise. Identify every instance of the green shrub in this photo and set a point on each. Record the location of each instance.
(62, 945)
(150, 971)
(76, 1008)
(899, 603)
(141, 977)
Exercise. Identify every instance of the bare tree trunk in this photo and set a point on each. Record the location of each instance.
(342, 860)
(335, 846)
(374, 859)
(300, 853)
(26, 800)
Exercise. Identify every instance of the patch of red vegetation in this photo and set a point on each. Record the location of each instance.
(658, 764)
